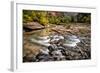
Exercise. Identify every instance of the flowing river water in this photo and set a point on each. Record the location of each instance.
(58, 45)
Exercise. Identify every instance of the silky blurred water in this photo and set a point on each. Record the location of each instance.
(45, 36)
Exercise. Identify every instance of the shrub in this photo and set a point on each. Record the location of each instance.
(43, 21)
(42, 16)
(34, 16)
(84, 17)
(27, 18)
(66, 19)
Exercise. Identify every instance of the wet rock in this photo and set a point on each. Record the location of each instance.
(52, 47)
(26, 59)
(57, 55)
(42, 57)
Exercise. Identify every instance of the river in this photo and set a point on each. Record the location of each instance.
(63, 47)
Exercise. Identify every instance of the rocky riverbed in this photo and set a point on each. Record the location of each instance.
(61, 45)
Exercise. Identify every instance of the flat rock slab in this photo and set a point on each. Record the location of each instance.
(33, 25)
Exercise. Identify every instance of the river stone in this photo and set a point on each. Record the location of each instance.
(42, 57)
(32, 25)
(52, 47)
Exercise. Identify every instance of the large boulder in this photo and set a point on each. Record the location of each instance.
(32, 25)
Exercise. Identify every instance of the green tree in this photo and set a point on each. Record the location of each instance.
(43, 18)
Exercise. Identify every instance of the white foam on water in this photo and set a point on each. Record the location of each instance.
(70, 41)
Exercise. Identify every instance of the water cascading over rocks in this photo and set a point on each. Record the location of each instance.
(57, 46)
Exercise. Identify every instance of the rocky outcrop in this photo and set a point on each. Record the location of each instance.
(32, 26)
